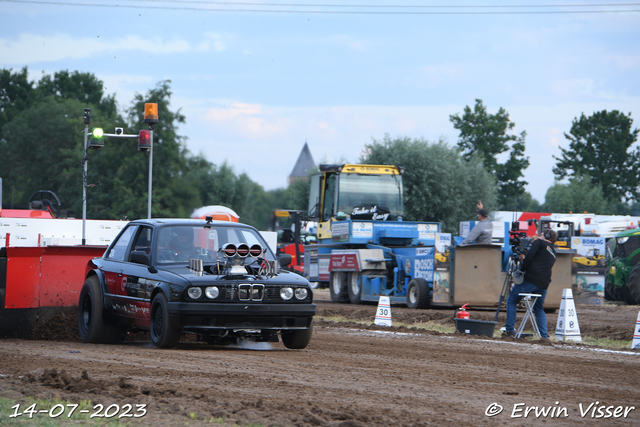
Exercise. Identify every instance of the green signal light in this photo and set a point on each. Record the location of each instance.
(98, 133)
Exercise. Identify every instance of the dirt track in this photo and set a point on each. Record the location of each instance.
(350, 375)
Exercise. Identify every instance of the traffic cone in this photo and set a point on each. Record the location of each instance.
(383, 314)
(636, 334)
(567, 328)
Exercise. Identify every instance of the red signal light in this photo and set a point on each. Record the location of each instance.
(144, 142)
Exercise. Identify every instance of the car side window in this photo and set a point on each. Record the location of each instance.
(142, 242)
(119, 248)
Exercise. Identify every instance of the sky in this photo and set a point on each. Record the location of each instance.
(256, 80)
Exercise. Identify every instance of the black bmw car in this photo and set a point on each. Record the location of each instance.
(216, 279)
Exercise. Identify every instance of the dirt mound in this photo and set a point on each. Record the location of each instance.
(62, 326)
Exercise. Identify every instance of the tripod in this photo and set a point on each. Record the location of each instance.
(514, 264)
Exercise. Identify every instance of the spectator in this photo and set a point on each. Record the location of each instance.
(482, 232)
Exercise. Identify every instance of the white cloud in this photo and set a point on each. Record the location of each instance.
(30, 48)
(212, 41)
(554, 137)
(247, 120)
(573, 87)
(349, 42)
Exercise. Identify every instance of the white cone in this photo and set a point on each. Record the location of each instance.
(636, 334)
(383, 314)
(567, 328)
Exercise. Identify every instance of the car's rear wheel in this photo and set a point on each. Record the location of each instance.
(90, 316)
(298, 339)
(163, 333)
(634, 285)
(338, 287)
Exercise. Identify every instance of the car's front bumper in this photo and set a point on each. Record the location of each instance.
(201, 316)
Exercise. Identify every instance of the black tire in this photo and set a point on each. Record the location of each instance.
(624, 294)
(418, 294)
(91, 324)
(298, 339)
(355, 287)
(609, 291)
(163, 334)
(634, 285)
(338, 287)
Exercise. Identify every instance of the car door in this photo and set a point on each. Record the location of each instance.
(114, 269)
(135, 290)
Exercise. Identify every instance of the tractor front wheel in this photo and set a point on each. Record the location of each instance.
(355, 287)
(338, 286)
(418, 294)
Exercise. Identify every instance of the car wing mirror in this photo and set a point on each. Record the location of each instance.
(284, 260)
(140, 257)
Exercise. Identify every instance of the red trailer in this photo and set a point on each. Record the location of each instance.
(37, 282)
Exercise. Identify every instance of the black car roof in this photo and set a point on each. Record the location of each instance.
(187, 221)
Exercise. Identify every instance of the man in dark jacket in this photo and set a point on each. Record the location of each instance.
(536, 266)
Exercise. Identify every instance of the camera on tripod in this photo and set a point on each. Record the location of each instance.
(518, 240)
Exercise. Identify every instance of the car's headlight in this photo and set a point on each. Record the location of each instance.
(302, 293)
(622, 240)
(286, 293)
(212, 292)
(194, 293)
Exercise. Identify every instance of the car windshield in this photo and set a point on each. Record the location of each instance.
(183, 242)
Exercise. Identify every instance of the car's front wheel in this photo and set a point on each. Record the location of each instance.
(90, 316)
(298, 339)
(163, 333)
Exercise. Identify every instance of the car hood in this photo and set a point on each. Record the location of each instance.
(196, 278)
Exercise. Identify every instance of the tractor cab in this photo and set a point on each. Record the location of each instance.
(358, 192)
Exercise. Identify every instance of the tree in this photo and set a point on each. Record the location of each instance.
(579, 195)
(486, 135)
(124, 170)
(439, 183)
(41, 149)
(523, 203)
(84, 87)
(41, 145)
(600, 148)
(296, 196)
(16, 94)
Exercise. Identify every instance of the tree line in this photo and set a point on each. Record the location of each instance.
(41, 144)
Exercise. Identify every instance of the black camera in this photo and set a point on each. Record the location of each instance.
(518, 239)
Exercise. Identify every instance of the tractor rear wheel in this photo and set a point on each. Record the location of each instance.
(418, 294)
(609, 291)
(634, 285)
(338, 286)
(624, 294)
